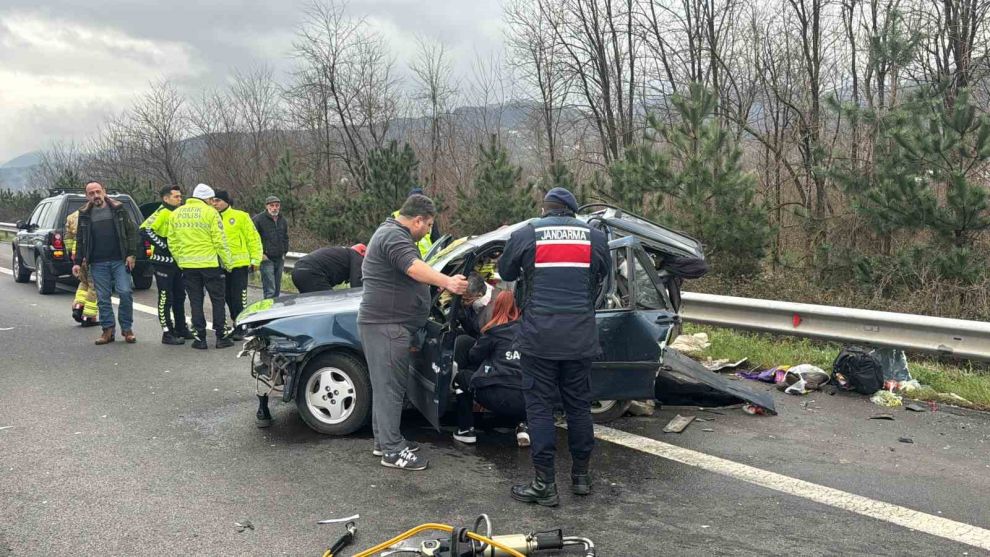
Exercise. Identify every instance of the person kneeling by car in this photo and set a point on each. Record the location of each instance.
(325, 268)
(493, 374)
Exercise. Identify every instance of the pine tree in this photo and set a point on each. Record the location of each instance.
(286, 182)
(929, 160)
(496, 197)
(700, 172)
(341, 216)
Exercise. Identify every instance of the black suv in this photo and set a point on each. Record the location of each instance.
(39, 245)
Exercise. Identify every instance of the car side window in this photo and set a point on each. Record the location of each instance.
(39, 212)
(48, 217)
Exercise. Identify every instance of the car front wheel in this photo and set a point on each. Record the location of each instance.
(603, 411)
(334, 394)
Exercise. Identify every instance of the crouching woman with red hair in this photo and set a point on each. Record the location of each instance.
(493, 374)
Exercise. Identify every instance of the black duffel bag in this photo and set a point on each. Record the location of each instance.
(858, 369)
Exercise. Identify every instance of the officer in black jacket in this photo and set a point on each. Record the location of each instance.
(560, 261)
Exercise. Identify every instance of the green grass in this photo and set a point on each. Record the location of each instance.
(765, 351)
(254, 279)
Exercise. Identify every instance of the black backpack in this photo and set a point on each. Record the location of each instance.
(858, 369)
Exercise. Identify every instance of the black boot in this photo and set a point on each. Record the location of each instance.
(77, 313)
(539, 491)
(580, 480)
(580, 484)
(223, 341)
(169, 338)
(185, 333)
(199, 341)
(264, 417)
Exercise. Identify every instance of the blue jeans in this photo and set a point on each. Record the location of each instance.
(271, 276)
(108, 276)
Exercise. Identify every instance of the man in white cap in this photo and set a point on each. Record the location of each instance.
(199, 247)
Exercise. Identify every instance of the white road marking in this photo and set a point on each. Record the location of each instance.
(116, 301)
(895, 514)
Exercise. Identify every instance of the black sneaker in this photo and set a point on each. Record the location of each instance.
(187, 334)
(169, 338)
(404, 460)
(200, 344)
(224, 342)
(411, 446)
(466, 436)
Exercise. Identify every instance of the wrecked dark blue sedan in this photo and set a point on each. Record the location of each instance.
(306, 347)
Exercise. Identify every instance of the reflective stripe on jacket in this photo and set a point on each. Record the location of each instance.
(155, 229)
(561, 261)
(196, 237)
(242, 238)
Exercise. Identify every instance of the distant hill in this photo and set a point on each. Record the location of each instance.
(15, 174)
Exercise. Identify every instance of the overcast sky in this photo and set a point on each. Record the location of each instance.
(66, 64)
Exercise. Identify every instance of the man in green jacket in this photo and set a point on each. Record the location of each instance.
(107, 243)
(199, 246)
(168, 276)
(245, 253)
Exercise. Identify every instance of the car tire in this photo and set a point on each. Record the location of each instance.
(142, 282)
(348, 407)
(43, 276)
(604, 411)
(21, 273)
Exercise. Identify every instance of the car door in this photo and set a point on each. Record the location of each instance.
(30, 238)
(431, 368)
(635, 321)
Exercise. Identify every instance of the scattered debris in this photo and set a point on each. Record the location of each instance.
(642, 407)
(337, 520)
(6, 328)
(772, 375)
(905, 440)
(678, 424)
(754, 410)
(882, 417)
(915, 407)
(886, 399)
(5, 427)
(244, 525)
(709, 430)
(723, 365)
(957, 398)
(802, 379)
(691, 343)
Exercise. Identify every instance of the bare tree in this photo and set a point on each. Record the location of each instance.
(434, 93)
(344, 89)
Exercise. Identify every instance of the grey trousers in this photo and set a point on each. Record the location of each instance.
(386, 348)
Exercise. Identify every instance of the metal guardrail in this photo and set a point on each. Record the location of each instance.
(938, 335)
(8, 227)
(919, 333)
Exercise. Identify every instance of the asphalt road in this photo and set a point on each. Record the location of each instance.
(140, 449)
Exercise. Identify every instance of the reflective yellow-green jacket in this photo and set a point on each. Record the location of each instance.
(196, 237)
(155, 229)
(424, 244)
(242, 237)
(71, 226)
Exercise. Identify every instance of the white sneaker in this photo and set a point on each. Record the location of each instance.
(466, 436)
(522, 435)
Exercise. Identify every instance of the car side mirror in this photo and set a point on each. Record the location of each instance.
(21, 225)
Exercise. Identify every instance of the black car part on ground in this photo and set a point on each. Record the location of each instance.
(684, 382)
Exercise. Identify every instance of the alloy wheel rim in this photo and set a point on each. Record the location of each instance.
(330, 395)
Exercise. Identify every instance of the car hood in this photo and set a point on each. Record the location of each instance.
(334, 301)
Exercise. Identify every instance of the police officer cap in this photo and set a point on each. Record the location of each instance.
(223, 196)
(564, 197)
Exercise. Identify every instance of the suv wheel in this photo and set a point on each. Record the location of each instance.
(603, 411)
(17, 266)
(45, 280)
(334, 394)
